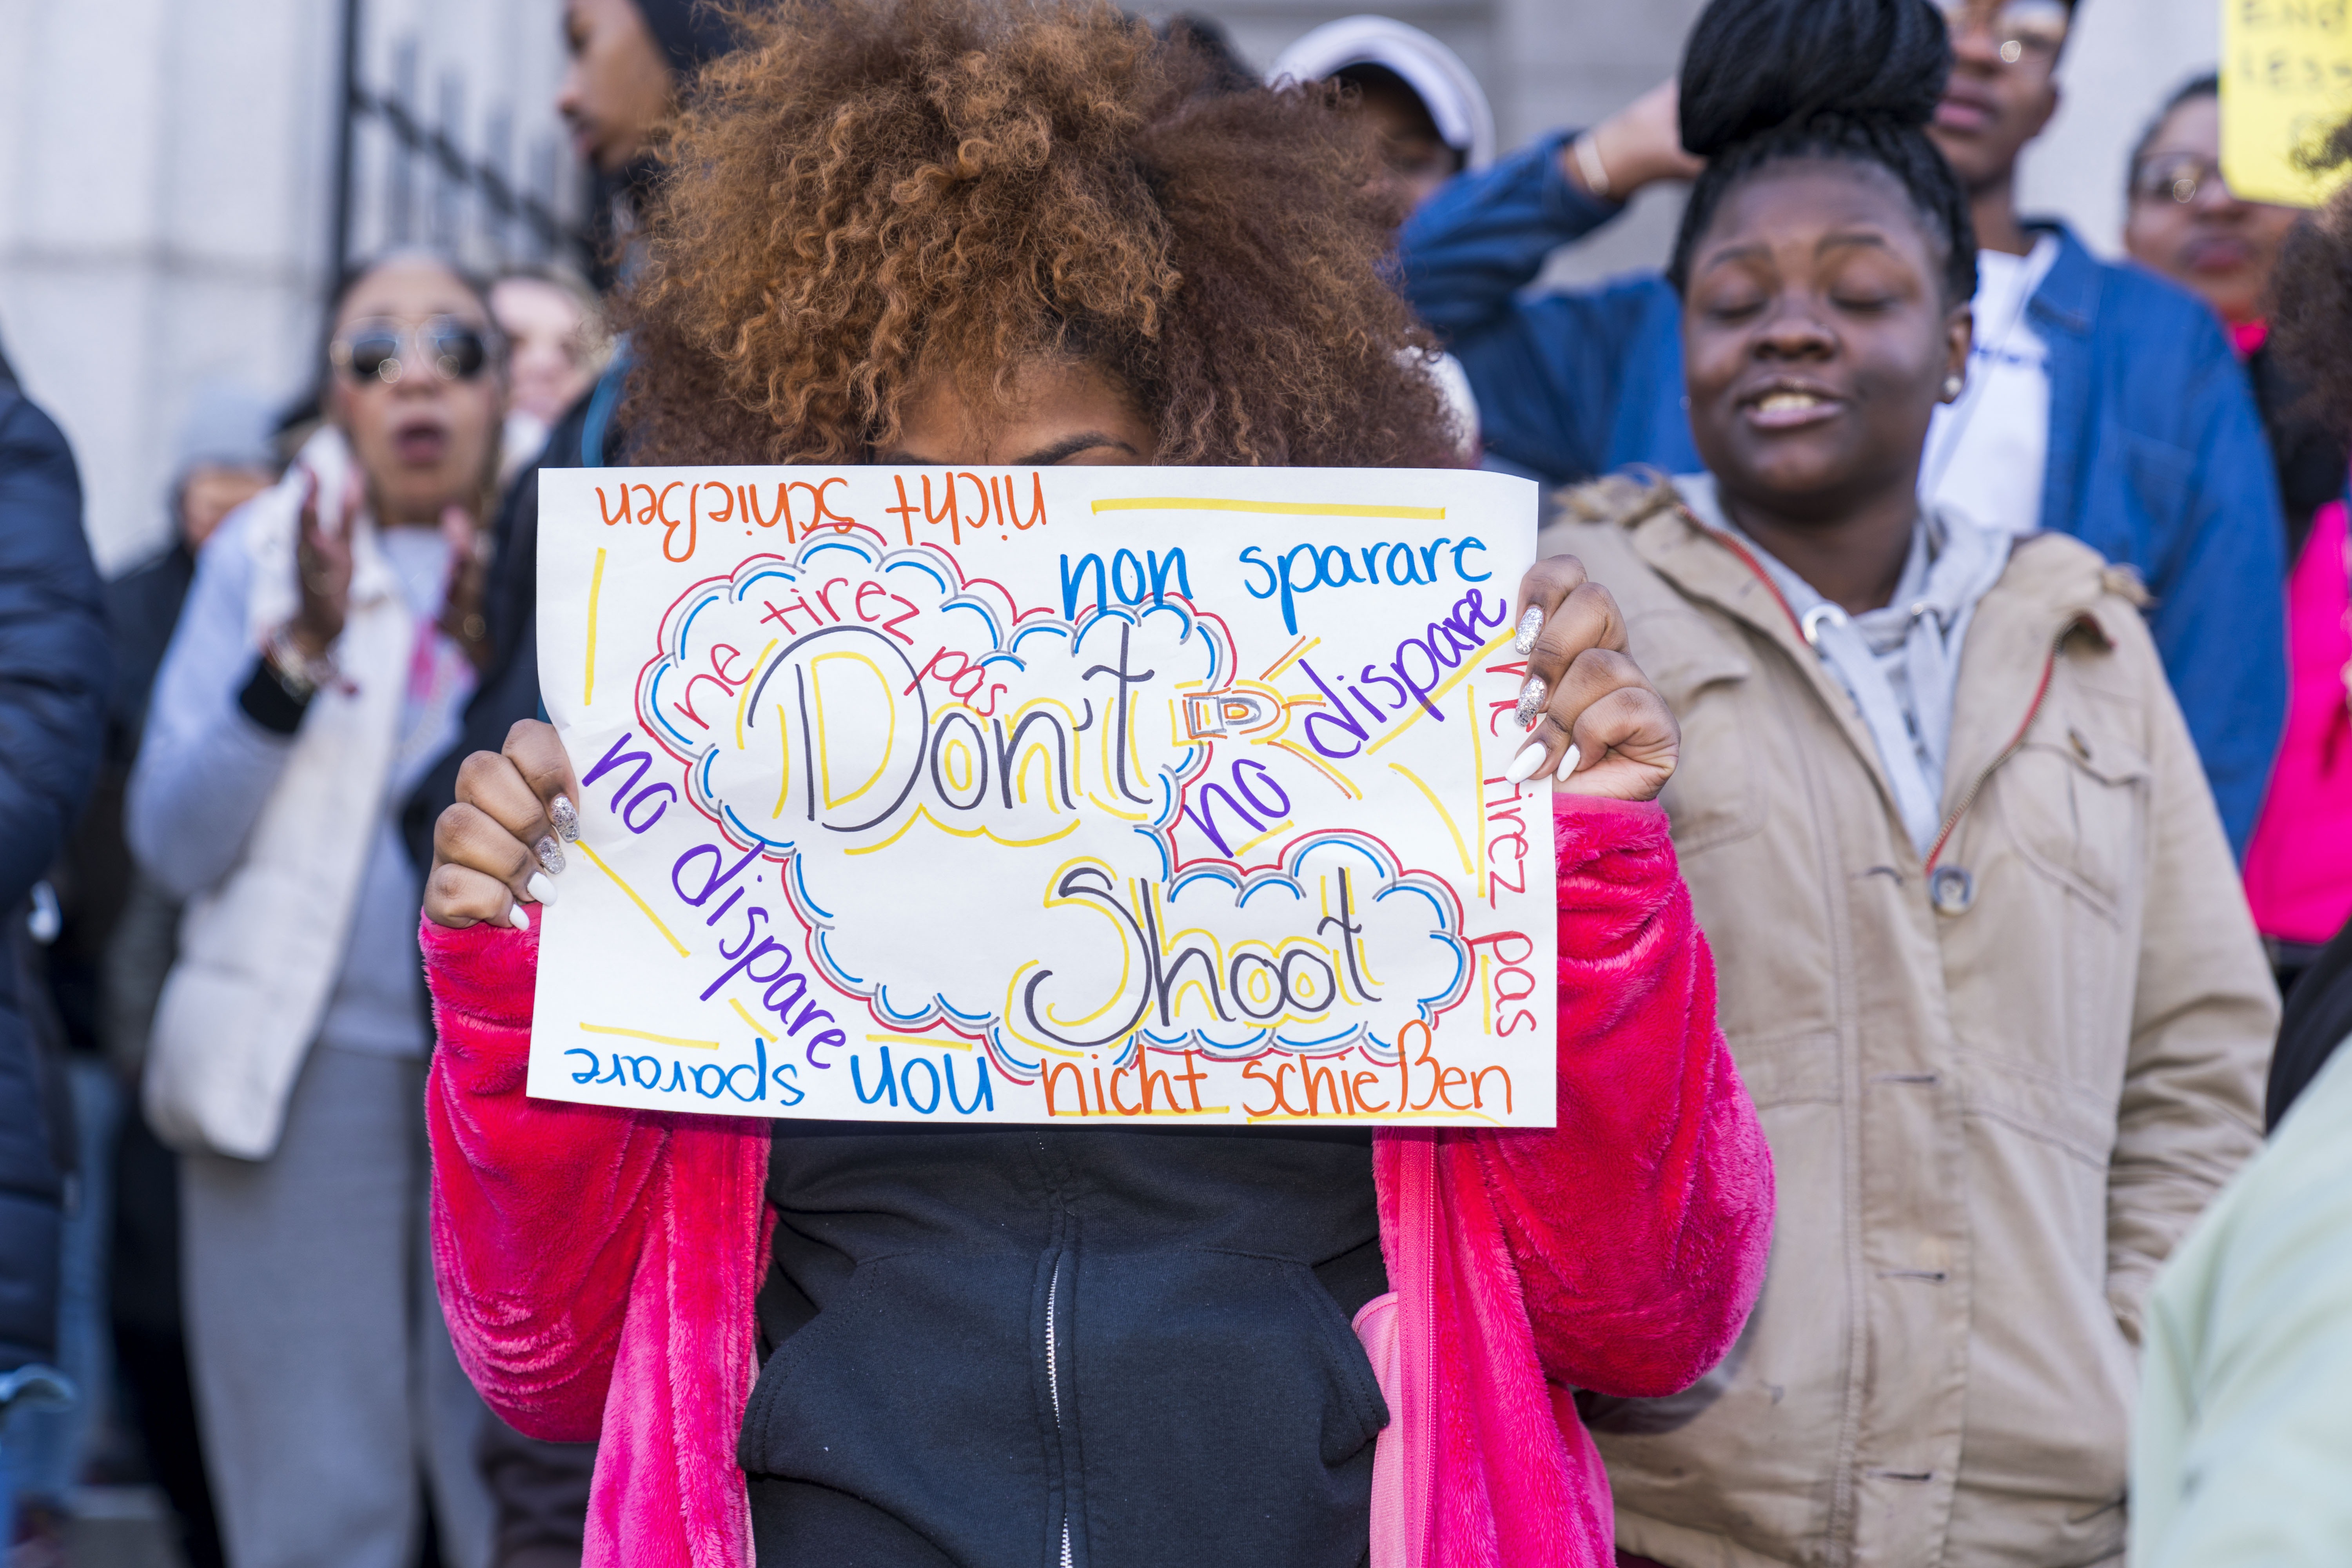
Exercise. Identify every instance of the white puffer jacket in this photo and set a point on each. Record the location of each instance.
(261, 950)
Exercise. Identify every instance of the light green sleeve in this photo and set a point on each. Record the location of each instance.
(2242, 1449)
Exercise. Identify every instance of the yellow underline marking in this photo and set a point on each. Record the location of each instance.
(1298, 650)
(1284, 507)
(1260, 839)
(920, 1040)
(595, 590)
(658, 1040)
(923, 814)
(769, 1035)
(1469, 668)
(581, 844)
(1469, 867)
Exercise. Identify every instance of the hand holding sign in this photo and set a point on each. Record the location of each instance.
(498, 846)
(1586, 693)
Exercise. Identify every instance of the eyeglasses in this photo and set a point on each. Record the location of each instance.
(456, 350)
(2179, 175)
(2019, 27)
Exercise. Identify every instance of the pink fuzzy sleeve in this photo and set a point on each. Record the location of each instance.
(539, 1208)
(1640, 1225)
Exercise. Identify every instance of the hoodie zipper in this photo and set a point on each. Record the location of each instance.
(1058, 1258)
(1054, 1388)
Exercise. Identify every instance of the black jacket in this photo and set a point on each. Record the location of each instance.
(509, 690)
(2319, 1018)
(55, 670)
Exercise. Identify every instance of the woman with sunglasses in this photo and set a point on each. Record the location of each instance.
(319, 665)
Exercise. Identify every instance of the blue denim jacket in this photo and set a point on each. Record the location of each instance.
(2157, 457)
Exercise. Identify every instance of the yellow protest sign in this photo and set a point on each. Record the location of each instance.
(2286, 83)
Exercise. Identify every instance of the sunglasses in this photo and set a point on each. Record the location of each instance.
(455, 350)
(2019, 27)
(2179, 175)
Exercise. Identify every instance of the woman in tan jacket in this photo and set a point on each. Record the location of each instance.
(1986, 966)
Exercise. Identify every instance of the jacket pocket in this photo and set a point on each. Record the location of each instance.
(1226, 1410)
(2075, 801)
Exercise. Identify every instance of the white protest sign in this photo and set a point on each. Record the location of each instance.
(1073, 795)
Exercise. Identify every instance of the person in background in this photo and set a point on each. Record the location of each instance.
(556, 348)
(2098, 401)
(2187, 224)
(99, 975)
(1427, 112)
(1983, 957)
(2242, 1452)
(54, 671)
(287, 1055)
(631, 62)
(227, 455)
(1429, 120)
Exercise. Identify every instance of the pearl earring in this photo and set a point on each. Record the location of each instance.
(1953, 387)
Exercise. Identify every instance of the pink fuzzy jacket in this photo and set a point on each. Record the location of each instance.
(598, 1266)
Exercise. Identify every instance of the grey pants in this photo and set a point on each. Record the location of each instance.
(328, 1391)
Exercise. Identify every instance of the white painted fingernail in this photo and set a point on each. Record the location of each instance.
(566, 820)
(1567, 765)
(1531, 698)
(518, 919)
(540, 886)
(1529, 625)
(1523, 766)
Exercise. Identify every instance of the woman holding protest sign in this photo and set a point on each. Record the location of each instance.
(1984, 955)
(944, 231)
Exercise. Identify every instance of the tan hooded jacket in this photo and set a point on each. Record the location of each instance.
(1998, 1083)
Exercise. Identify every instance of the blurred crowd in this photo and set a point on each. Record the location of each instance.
(216, 1249)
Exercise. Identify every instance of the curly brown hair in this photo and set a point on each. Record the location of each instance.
(873, 189)
(2311, 296)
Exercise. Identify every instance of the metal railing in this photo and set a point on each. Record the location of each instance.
(509, 223)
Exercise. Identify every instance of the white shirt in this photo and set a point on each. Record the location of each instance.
(1987, 453)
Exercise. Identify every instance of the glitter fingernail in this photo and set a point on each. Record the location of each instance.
(566, 820)
(549, 852)
(1531, 701)
(1529, 625)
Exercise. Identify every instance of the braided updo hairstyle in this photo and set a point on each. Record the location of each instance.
(1765, 81)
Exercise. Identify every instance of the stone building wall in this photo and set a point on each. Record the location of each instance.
(167, 170)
